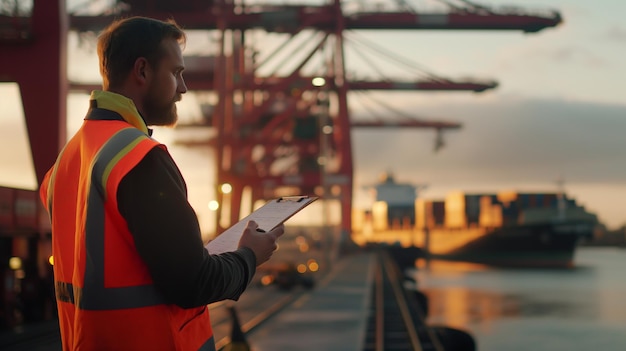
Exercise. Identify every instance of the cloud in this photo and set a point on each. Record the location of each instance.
(513, 141)
(616, 33)
(568, 54)
(509, 144)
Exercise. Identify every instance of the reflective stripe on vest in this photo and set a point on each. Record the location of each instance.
(94, 295)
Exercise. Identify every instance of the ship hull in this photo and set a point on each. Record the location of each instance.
(548, 245)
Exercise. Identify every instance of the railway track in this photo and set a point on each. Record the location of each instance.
(251, 313)
(256, 306)
(396, 322)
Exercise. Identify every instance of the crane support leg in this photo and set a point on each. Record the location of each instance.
(38, 66)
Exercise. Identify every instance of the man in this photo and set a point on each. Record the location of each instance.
(131, 271)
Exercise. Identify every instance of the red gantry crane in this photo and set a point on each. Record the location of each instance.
(290, 133)
(280, 133)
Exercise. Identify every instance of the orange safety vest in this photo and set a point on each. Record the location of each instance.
(105, 296)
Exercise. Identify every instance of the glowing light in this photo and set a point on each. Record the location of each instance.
(313, 266)
(318, 81)
(226, 188)
(301, 268)
(15, 263)
(214, 205)
(267, 280)
(51, 260)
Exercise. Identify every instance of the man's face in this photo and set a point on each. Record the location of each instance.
(165, 87)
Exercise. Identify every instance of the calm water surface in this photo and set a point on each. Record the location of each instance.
(580, 309)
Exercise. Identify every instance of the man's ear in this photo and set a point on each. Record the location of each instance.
(141, 70)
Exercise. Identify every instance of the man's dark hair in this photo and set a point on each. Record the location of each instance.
(126, 40)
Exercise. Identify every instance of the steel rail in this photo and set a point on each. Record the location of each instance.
(400, 297)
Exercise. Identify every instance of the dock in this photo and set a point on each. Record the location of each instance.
(332, 318)
(340, 313)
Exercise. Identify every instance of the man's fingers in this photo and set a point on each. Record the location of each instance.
(278, 231)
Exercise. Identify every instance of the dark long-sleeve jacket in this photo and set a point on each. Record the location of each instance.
(153, 199)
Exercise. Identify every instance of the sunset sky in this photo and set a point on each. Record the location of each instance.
(559, 112)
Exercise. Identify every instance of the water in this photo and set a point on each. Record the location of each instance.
(580, 309)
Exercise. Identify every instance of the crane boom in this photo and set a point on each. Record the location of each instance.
(406, 124)
(198, 80)
(294, 18)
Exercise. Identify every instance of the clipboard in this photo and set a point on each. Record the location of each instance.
(268, 217)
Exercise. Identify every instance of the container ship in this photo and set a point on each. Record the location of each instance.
(506, 228)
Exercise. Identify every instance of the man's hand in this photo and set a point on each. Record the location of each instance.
(262, 244)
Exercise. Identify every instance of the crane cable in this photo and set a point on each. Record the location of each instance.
(403, 61)
(402, 114)
(276, 51)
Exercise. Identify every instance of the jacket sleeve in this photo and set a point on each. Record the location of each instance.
(152, 198)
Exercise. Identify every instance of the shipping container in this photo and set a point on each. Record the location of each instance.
(472, 209)
(6, 208)
(25, 205)
(429, 213)
(455, 210)
(21, 212)
(439, 213)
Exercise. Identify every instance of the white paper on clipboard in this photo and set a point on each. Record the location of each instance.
(268, 216)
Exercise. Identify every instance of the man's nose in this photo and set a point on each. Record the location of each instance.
(182, 87)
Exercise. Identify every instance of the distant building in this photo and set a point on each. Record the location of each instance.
(399, 199)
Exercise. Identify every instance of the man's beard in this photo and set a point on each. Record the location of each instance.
(159, 113)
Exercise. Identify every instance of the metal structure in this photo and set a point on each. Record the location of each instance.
(279, 133)
(33, 54)
(276, 134)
